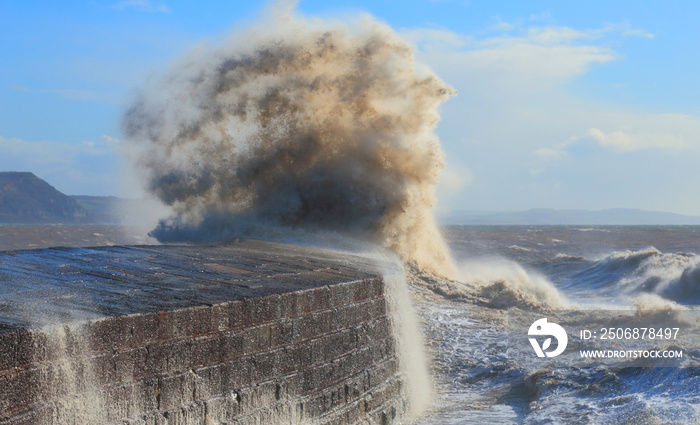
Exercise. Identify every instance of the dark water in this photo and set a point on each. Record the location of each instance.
(582, 278)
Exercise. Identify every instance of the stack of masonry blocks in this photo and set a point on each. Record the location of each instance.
(325, 355)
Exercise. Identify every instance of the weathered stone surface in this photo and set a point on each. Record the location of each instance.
(252, 332)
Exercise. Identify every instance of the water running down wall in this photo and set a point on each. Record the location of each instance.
(303, 339)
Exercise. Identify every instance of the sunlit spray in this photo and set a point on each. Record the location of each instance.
(298, 123)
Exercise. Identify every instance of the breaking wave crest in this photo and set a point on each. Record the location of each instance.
(296, 123)
(498, 283)
(673, 276)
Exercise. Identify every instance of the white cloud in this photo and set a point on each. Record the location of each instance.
(71, 94)
(665, 133)
(625, 29)
(131, 3)
(436, 38)
(502, 26)
(626, 142)
(555, 35)
(543, 16)
(74, 168)
(46, 152)
(528, 60)
(143, 5)
(550, 153)
(560, 34)
(538, 146)
(110, 141)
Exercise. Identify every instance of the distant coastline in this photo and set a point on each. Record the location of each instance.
(545, 216)
(27, 199)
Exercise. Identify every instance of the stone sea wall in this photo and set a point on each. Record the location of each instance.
(321, 354)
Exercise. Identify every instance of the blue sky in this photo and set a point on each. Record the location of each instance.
(561, 104)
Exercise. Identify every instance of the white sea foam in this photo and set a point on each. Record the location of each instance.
(673, 276)
(506, 283)
(497, 282)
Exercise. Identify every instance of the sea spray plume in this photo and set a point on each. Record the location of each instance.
(305, 124)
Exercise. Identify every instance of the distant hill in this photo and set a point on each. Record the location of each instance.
(110, 209)
(25, 198)
(543, 216)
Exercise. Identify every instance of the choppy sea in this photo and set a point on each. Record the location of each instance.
(613, 282)
(600, 284)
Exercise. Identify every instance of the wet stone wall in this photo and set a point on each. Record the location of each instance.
(307, 340)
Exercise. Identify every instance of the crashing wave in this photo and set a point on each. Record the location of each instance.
(497, 283)
(673, 276)
(297, 123)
